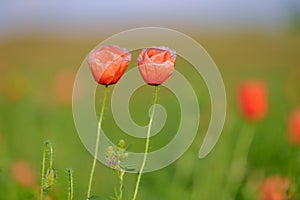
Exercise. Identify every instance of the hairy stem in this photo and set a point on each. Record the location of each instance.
(146, 145)
(97, 143)
(121, 186)
(70, 184)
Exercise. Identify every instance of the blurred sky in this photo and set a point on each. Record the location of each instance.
(75, 18)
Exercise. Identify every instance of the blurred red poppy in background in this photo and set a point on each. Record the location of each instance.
(274, 188)
(23, 173)
(253, 100)
(62, 86)
(294, 127)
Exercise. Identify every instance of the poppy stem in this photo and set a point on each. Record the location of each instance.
(47, 145)
(97, 143)
(147, 143)
(70, 184)
(238, 164)
(51, 156)
(121, 186)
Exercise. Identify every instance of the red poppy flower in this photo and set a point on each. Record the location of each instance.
(253, 100)
(274, 188)
(108, 63)
(63, 85)
(156, 64)
(294, 127)
(23, 173)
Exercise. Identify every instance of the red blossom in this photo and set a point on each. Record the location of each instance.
(63, 86)
(294, 127)
(156, 64)
(274, 188)
(108, 63)
(23, 173)
(253, 100)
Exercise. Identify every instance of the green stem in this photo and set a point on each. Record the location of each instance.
(70, 184)
(297, 171)
(46, 145)
(51, 156)
(97, 144)
(121, 179)
(238, 165)
(147, 144)
(43, 172)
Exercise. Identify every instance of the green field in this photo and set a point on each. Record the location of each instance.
(36, 79)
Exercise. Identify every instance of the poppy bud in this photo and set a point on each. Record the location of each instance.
(49, 178)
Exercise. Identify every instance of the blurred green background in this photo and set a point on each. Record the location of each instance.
(40, 55)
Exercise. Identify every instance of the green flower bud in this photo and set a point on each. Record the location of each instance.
(50, 178)
(121, 144)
